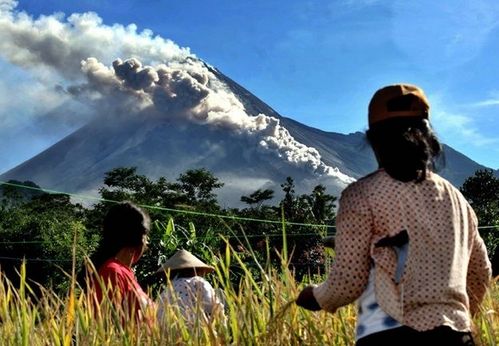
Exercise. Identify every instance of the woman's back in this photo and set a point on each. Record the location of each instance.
(408, 230)
(194, 296)
(441, 229)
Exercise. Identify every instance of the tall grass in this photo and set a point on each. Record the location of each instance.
(258, 312)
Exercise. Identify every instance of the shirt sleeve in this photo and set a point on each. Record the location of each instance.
(350, 271)
(479, 267)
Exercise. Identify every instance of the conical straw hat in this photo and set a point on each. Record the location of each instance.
(182, 260)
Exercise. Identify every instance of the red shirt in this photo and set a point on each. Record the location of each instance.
(123, 285)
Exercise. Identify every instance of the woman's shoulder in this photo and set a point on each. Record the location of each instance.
(191, 280)
(369, 180)
(112, 266)
(201, 282)
(197, 280)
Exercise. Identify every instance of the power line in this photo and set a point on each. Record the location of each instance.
(180, 211)
(22, 242)
(191, 212)
(32, 259)
(197, 237)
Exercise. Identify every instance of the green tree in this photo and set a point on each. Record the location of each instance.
(124, 183)
(288, 202)
(322, 205)
(44, 231)
(16, 192)
(258, 197)
(482, 192)
(197, 186)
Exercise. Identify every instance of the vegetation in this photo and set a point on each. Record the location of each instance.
(482, 191)
(258, 264)
(41, 227)
(259, 311)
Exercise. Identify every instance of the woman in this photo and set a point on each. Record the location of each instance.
(189, 290)
(124, 239)
(407, 244)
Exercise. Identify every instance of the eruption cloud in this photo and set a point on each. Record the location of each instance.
(159, 78)
(59, 44)
(189, 89)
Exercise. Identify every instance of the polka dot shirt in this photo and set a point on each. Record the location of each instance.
(446, 271)
(190, 294)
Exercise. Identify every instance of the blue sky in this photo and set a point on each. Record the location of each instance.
(317, 62)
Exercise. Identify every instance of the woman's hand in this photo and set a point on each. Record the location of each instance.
(307, 300)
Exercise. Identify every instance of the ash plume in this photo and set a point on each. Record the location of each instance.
(190, 90)
(158, 78)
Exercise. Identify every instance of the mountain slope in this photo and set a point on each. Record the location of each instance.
(158, 148)
(350, 153)
(243, 160)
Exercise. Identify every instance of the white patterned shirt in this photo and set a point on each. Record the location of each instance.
(447, 269)
(190, 294)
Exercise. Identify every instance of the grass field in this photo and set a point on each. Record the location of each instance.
(257, 313)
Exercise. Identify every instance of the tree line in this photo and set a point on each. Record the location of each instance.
(43, 228)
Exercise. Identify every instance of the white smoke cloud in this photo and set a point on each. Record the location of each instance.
(158, 78)
(189, 89)
(49, 41)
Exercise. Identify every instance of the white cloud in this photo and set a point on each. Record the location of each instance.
(492, 100)
(486, 103)
(61, 44)
(462, 127)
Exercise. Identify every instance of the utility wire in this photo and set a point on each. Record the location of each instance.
(295, 264)
(197, 237)
(191, 212)
(181, 211)
(32, 259)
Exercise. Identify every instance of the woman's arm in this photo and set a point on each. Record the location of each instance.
(350, 271)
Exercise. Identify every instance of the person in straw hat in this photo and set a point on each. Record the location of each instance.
(407, 244)
(189, 290)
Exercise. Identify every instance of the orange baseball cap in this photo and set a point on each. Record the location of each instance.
(399, 100)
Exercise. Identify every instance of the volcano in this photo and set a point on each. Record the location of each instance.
(190, 115)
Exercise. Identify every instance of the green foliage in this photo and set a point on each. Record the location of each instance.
(258, 197)
(305, 242)
(53, 222)
(164, 240)
(197, 186)
(123, 183)
(44, 230)
(288, 204)
(482, 192)
(321, 204)
(13, 193)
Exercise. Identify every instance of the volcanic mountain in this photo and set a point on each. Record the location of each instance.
(189, 115)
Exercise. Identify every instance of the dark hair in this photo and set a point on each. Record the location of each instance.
(406, 147)
(125, 225)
